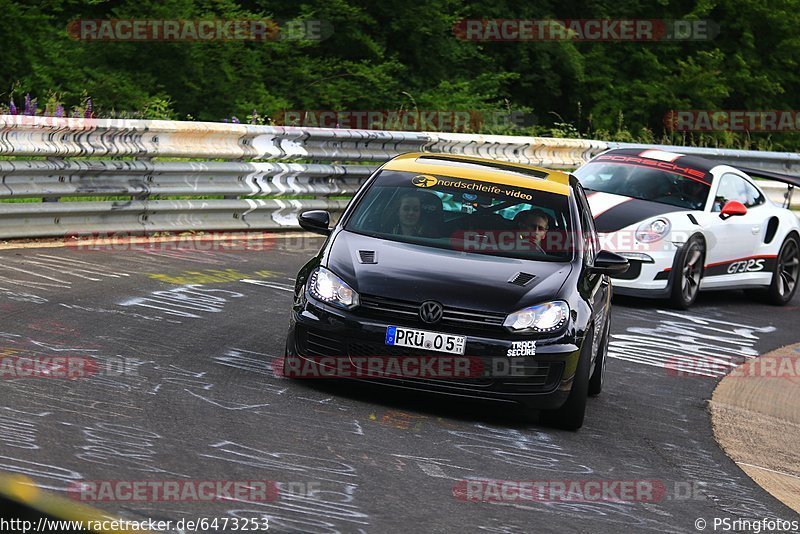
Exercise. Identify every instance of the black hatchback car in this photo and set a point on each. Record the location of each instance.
(471, 277)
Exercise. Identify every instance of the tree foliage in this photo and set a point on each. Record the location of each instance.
(404, 54)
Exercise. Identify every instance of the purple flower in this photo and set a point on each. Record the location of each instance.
(59, 110)
(89, 112)
(12, 108)
(234, 120)
(27, 109)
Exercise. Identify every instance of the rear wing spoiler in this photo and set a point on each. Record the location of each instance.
(790, 181)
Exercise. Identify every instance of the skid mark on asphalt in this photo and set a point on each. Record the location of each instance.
(46, 272)
(24, 277)
(187, 302)
(509, 450)
(250, 361)
(21, 276)
(118, 445)
(21, 296)
(150, 257)
(686, 344)
(19, 429)
(728, 491)
(434, 467)
(119, 312)
(330, 507)
(47, 476)
(272, 285)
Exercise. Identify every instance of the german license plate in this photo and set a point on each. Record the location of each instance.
(422, 339)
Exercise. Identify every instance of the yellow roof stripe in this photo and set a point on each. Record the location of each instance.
(555, 182)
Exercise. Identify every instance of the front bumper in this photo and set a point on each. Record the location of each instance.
(651, 278)
(542, 381)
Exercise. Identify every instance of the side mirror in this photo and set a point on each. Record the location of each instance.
(731, 209)
(316, 221)
(609, 263)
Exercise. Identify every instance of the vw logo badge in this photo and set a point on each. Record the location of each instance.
(430, 312)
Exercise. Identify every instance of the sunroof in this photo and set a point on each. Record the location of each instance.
(442, 160)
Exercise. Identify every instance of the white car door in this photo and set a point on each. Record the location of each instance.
(733, 242)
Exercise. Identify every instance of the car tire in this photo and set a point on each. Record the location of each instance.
(785, 276)
(571, 414)
(598, 376)
(688, 273)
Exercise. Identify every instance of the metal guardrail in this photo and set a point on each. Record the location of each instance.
(142, 178)
(60, 158)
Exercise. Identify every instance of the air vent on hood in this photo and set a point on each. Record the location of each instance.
(521, 279)
(367, 256)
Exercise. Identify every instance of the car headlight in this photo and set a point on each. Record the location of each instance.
(327, 287)
(652, 231)
(548, 317)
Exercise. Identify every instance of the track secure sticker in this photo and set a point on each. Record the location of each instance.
(522, 348)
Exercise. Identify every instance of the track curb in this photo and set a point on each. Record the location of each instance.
(755, 415)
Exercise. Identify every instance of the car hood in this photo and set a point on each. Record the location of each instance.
(615, 212)
(417, 273)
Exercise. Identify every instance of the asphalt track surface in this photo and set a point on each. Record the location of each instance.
(199, 401)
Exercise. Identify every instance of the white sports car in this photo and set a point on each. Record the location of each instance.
(687, 224)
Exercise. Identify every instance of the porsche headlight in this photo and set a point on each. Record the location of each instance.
(327, 287)
(652, 231)
(548, 317)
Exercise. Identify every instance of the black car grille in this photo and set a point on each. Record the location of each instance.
(527, 373)
(381, 307)
(357, 350)
(319, 345)
(535, 374)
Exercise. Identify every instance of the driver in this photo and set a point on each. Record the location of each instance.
(533, 226)
(408, 216)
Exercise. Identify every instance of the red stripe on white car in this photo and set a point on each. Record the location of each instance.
(761, 257)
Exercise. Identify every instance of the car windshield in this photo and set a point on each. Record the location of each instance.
(644, 183)
(466, 215)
